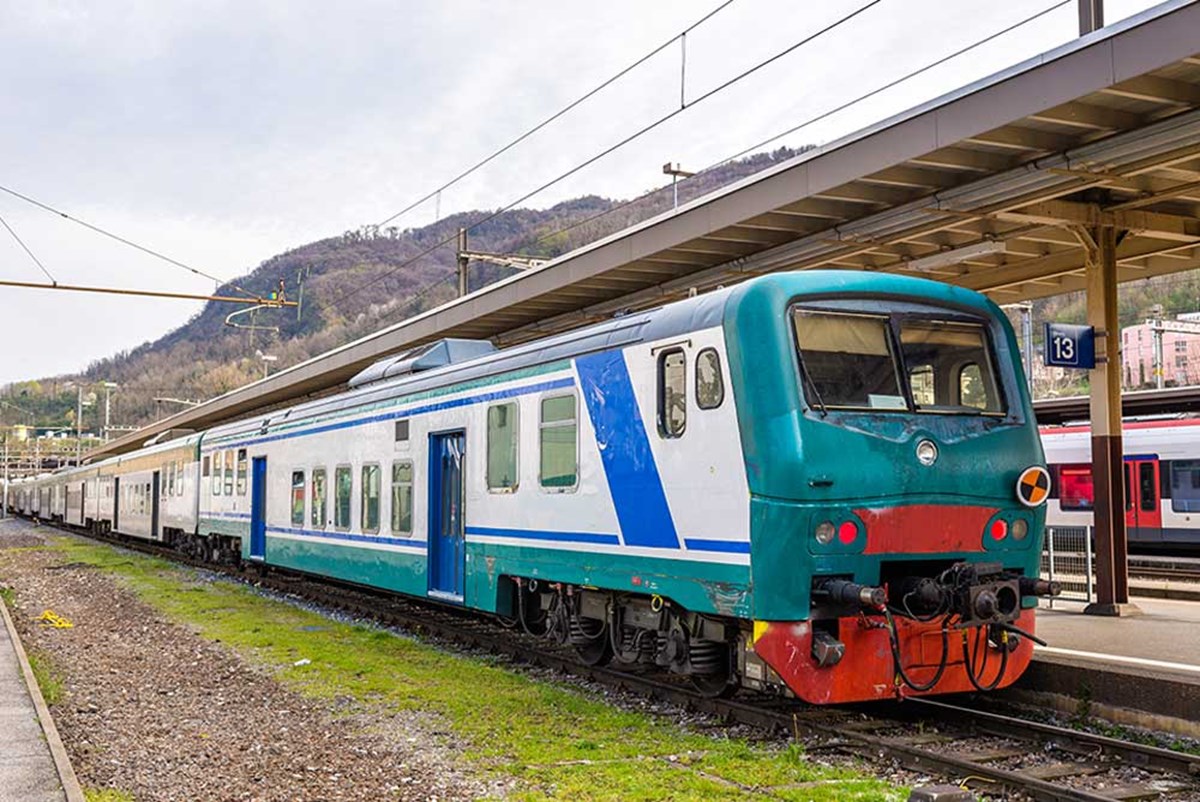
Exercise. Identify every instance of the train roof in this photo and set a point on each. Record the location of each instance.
(671, 320)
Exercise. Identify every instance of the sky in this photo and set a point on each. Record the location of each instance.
(223, 133)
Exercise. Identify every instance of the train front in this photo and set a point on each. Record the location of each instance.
(897, 485)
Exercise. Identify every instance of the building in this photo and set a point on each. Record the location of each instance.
(1180, 350)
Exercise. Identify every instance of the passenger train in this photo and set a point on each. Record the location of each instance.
(826, 484)
(1162, 481)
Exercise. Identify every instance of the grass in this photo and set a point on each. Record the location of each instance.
(559, 742)
(47, 678)
(106, 795)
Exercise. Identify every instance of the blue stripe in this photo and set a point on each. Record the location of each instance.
(731, 546)
(633, 480)
(347, 536)
(495, 395)
(232, 515)
(532, 534)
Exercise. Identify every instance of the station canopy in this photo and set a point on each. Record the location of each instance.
(991, 187)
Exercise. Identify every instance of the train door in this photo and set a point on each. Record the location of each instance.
(258, 509)
(447, 552)
(83, 503)
(116, 525)
(1143, 510)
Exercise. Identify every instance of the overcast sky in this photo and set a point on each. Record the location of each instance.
(222, 133)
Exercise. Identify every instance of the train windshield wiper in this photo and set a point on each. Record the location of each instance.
(812, 385)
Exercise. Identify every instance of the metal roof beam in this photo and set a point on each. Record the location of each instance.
(1085, 115)
(1160, 90)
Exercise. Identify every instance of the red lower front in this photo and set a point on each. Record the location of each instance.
(867, 669)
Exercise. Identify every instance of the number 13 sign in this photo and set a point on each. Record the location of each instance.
(1070, 346)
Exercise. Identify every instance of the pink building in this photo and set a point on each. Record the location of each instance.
(1181, 357)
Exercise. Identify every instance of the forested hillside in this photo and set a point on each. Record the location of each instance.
(349, 286)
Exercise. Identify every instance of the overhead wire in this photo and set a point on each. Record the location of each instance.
(103, 232)
(611, 148)
(25, 247)
(729, 159)
(564, 110)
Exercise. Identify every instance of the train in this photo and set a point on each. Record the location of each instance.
(1161, 482)
(822, 484)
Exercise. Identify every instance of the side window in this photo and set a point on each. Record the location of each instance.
(216, 473)
(1076, 490)
(920, 379)
(370, 498)
(343, 484)
(1147, 487)
(241, 472)
(402, 430)
(319, 511)
(205, 468)
(1185, 485)
(710, 386)
(297, 498)
(502, 447)
(402, 498)
(971, 390)
(229, 473)
(672, 393)
(558, 440)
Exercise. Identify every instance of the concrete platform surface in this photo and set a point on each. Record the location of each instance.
(1163, 641)
(28, 768)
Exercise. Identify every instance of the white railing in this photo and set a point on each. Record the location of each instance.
(1067, 559)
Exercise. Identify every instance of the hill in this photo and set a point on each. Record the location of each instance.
(348, 286)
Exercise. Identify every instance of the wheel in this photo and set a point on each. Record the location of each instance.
(595, 652)
(713, 686)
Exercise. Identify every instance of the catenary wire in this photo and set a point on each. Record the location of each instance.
(124, 241)
(795, 128)
(25, 247)
(564, 110)
(610, 149)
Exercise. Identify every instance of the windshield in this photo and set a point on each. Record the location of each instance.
(853, 361)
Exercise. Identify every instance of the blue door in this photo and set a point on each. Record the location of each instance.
(258, 509)
(447, 555)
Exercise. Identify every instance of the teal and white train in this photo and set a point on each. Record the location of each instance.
(803, 483)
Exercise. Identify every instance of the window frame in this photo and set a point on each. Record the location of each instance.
(323, 522)
(661, 401)
(412, 498)
(542, 426)
(350, 500)
(303, 487)
(362, 496)
(516, 447)
(720, 378)
(243, 471)
(227, 484)
(894, 322)
(218, 476)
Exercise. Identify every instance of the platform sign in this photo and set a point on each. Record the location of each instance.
(1069, 346)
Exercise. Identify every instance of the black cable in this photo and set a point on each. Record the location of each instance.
(124, 241)
(976, 680)
(36, 261)
(894, 642)
(610, 149)
(573, 104)
(806, 123)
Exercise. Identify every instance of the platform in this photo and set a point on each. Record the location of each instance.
(1142, 670)
(33, 764)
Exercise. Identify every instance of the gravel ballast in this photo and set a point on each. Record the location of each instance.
(151, 708)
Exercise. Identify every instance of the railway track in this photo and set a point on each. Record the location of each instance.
(1173, 569)
(999, 755)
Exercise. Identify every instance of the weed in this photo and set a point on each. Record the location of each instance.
(561, 742)
(47, 678)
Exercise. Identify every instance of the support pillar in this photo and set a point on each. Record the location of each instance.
(1108, 464)
(463, 262)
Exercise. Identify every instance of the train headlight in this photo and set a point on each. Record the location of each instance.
(1020, 528)
(824, 533)
(927, 453)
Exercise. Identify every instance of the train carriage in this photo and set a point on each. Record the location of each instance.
(1161, 481)
(774, 485)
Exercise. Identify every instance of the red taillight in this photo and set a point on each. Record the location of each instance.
(848, 532)
(999, 529)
